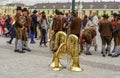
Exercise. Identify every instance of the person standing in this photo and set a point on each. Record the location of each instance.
(113, 21)
(8, 22)
(56, 26)
(105, 29)
(68, 22)
(18, 29)
(43, 28)
(75, 26)
(95, 21)
(11, 31)
(34, 26)
(116, 34)
(26, 29)
(57, 22)
(3, 25)
(38, 29)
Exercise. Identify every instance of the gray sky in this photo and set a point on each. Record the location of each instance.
(31, 2)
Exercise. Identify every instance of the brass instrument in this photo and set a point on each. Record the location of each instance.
(60, 38)
(73, 52)
(66, 46)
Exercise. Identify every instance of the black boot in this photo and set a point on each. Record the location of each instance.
(16, 50)
(9, 42)
(88, 53)
(21, 51)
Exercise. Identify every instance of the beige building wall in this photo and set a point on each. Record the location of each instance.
(11, 10)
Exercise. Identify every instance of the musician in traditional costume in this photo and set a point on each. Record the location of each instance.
(75, 26)
(56, 25)
(105, 29)
(18, 28)
(26, 29)
(116, 34)
(113, 21)
(57, 22)
(87, 37)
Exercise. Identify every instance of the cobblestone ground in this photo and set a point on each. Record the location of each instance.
(35, 64)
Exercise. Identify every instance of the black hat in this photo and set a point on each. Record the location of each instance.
(118, 16)
(19, 8)
(114, 14)
(35, 11)
(25, 9)
(105, 16)
(57, 12)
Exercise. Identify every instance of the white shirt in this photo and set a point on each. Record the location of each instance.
(95, 20)
(44, 24)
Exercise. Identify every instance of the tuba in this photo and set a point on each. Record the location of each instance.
(73, 52)
(60, 47)
(65, 46)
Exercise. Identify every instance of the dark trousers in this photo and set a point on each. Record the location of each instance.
(106, 40)
(43, 36)
(11, 39)
(35, 32)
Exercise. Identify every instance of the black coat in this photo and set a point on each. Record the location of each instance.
(12, 31)
(34, 23)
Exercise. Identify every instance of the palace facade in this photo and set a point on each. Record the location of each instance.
(87, 8)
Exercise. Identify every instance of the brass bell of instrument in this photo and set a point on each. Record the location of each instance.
(60, 38)
(73, 52)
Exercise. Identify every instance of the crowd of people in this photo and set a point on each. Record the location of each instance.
(88, 29)
(24, 26)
